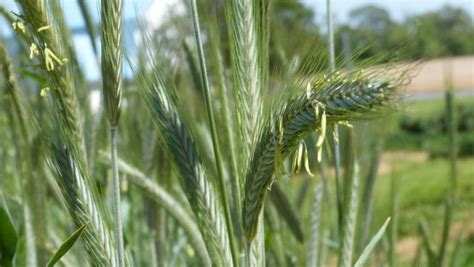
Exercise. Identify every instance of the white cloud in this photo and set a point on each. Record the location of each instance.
(159, 11)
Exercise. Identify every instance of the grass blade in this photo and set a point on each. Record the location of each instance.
(215, 141)
(394, 210)
(427, 243)
(370, 247)
(345, 256)
(367, 197)
(8, 238)
(66, 246)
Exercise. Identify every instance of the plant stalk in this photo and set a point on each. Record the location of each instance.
(337, 154)
(116, 198)
(347, 246)
(451, 195)
(212, 125)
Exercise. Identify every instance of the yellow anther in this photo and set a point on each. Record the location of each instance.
(50, 58)
(316, 110)
(320, 153)
(269, 188)
(280, 128)
(345, 123)
(297, 159)
(306, 162)
(18, 25)
(322, 135)
(335, 134)
(44, 92)
(300, 156)
(308, 90)
(33, 50)
(44, 28)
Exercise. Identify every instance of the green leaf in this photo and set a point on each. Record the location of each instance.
(32, 75)
(66, 245)
(370, 247)
(8, 238)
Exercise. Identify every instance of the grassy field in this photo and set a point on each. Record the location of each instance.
(422, 190)
(197, 171)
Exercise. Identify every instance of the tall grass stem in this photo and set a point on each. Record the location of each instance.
(451, 194)
(345, 257)
(212, 125)
(116, 198)
(336, 148)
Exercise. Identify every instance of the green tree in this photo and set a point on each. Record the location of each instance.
(444, 32)
(372, 32)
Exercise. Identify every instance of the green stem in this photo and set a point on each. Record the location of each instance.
(332, 63)
(212, 125)
(339, 193)
(229, 139)
(116, 198)
(451, 196)
(348, 233)
(395, 207)
(337, 154)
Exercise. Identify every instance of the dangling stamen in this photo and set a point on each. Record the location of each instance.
(306, 162)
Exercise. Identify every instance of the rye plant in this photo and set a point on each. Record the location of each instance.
(111, 66)
(204, 143)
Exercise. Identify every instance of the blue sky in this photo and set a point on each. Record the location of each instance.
(399, 9)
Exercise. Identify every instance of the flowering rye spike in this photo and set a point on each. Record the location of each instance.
(299, 119)
(111, 66)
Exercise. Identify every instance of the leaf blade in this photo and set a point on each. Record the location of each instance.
(66, 245)
(373, 242)
(8, 238)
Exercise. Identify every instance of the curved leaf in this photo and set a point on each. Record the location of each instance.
(8, 238)
(66, 245)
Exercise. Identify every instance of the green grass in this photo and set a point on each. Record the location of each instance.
(423, 186)
(426, 108)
